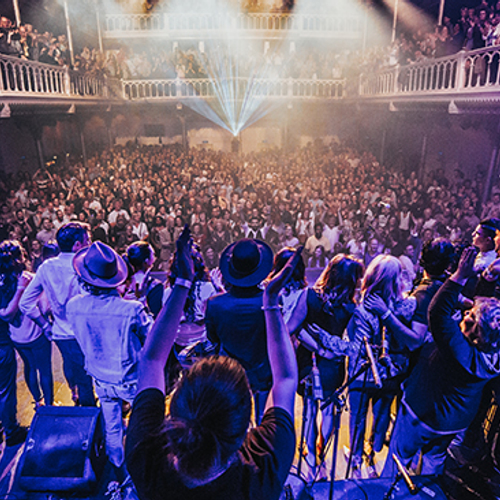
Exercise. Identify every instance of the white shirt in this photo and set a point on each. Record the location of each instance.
(27, 331)
(188, 332)
(95, 205)
(140, 230)
(333, 234)
(56, 277)
(483, 260)
(115, 213)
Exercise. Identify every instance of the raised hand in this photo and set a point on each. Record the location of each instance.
(465, 269)
(273, 288)
(183, 255)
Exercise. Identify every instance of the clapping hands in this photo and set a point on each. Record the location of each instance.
(271, 294)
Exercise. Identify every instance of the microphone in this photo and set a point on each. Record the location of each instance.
(404, 473)
(373, 365)
(316, 385)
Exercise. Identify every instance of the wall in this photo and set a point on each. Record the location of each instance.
(463, 142)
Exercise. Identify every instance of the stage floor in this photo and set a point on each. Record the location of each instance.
(9, 457)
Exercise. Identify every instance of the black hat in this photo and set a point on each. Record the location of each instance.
(246, 262)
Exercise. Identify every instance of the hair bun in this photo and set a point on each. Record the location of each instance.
(185, 436)
(192, 447)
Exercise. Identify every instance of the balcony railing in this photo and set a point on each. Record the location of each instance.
(29, 78)
(123, 25)
(465, 73)
(243, 87)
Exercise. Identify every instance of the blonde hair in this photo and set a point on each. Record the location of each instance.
(487, 311)
(383, 277)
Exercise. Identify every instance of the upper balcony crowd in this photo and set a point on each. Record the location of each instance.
(476, 28)
(25, 42)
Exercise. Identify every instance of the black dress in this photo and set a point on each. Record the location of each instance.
(334, 320)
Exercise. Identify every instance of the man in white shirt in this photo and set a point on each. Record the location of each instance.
(117, 210)
(139, 228)
(110, 331)
(318, 238)
(331, 231)
(58, 280)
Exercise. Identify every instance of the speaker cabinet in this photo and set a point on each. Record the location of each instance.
(64, 450)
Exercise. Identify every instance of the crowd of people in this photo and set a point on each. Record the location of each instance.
(383, 243)
(329, 198)
(217, 62)
(476, 28)
(24, 41)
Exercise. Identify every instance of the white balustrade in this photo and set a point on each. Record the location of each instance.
(29, 78)
(243, 87)
(163, 23)
(473, 72)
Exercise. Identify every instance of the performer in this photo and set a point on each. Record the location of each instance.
(378, 319)
(28, 338)
(321, 315)
(56, 277)
(110, 331)
(235, 320)
(203, 449)
(443, 393)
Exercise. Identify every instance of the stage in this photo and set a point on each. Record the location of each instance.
(464, 484)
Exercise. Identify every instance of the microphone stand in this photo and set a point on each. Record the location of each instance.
(389, 492)
(338, 405)
(366, 365)
(307, 381)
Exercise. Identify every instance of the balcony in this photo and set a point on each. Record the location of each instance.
(32, 83)
(207, 26)
(465, 82)
(284, 88)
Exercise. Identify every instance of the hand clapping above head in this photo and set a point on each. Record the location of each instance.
(465, 267)
(273, 288)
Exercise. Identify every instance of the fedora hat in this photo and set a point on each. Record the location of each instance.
(246, 262)
(100, 265)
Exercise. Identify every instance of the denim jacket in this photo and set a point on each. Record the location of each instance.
(111, 331)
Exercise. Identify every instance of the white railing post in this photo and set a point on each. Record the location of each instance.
(67, 81)
(396, 78)
(460, 75)
(360, 85)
